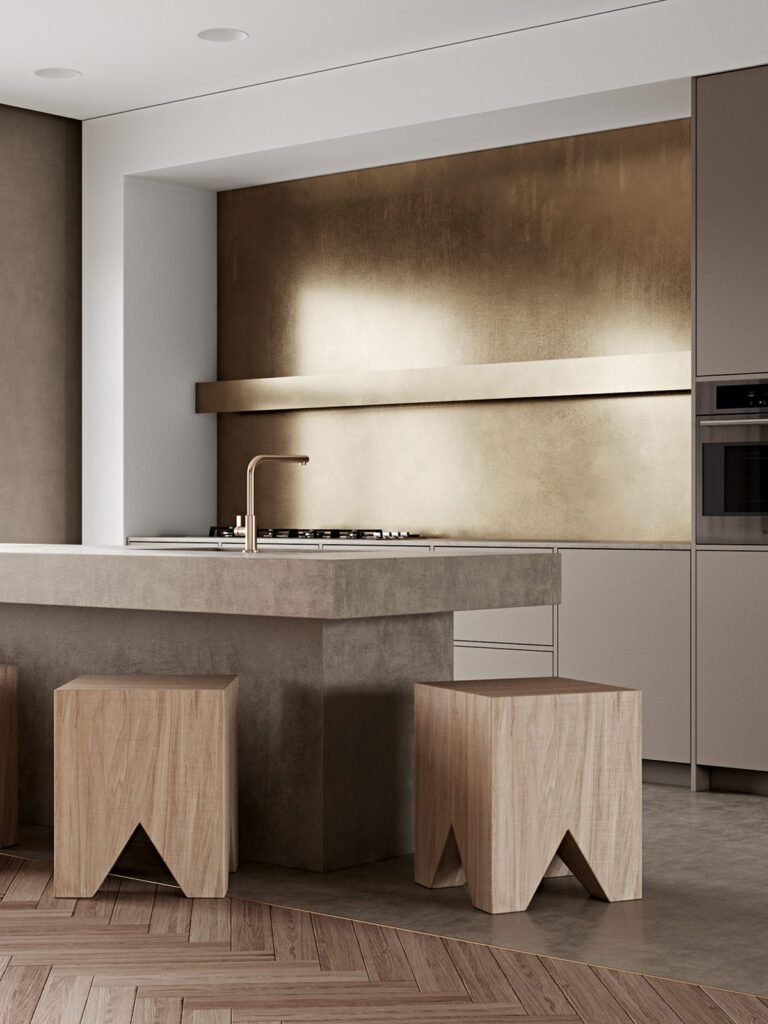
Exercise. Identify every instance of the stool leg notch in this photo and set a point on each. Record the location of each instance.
(444, 867)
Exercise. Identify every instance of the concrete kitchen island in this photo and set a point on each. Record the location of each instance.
(327, 646)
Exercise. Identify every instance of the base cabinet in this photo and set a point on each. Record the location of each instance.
(732, 659)
(625, 620)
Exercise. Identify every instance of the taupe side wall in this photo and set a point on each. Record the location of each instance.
(40, 327)
(553, 250)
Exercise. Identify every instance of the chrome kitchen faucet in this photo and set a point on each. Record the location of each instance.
(251, 547)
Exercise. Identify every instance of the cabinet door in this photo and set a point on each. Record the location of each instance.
(732, 222)
(732, 659)
(533, 626)
(625, 620)
(497, 663)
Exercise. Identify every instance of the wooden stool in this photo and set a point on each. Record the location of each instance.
(510, 772)
(9, 757)
(155, 751)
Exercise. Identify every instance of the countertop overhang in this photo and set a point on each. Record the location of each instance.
(310, 585)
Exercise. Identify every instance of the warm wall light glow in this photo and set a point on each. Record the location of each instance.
(342, 327)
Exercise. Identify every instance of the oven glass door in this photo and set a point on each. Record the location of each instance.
(733, 502)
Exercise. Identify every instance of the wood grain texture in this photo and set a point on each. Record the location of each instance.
(292, 934)
(9, 868)
(431, 963)
(110, 1005)
(9, 756)
(134, 904)
(483, 978)
(20, 990)
(63, 966)
(211, 921)
(533, 984)
(337, 945)
(506, 779)
(586, 993)
(63, 999)
(385, 959)
(171, 914)
(157, 1011)
(639, 999)
(151, 751)
(251, 926)
(740, 1008)
(29, 883)
(691, 1004)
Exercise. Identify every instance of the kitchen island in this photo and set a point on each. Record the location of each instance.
(327, 646)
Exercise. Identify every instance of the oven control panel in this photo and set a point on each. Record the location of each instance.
(733, 397)
(741, 396)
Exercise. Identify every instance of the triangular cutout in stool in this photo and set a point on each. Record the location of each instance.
(140, 857)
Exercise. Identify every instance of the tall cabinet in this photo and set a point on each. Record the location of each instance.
(731, 269)
(731, 340)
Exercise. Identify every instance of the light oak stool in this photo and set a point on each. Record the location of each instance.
(155, 751)
(511, 772)
(9, 757)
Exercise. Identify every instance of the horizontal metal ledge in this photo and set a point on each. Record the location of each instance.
(547, 378)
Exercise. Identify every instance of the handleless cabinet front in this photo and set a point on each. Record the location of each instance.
(500, 663)
(625, 620)
(732, 659)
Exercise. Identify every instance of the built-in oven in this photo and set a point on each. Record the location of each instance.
(732, 462)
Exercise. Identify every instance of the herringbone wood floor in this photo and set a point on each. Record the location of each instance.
(142, 954)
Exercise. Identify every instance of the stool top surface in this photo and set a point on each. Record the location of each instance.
(545, 686)
(149, 682)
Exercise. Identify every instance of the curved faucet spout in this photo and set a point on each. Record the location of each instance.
(251, 546)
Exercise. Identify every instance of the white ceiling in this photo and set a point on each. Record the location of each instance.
(138, 53)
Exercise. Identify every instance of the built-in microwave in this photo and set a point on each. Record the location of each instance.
(732, 462)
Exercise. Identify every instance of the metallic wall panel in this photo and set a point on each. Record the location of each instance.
(575, 469)
(544, 378)
(556, 250)
(40, 347)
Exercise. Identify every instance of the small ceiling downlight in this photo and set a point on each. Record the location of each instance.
(58, 73)
(222, 35)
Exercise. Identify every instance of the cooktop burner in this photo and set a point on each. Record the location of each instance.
(329, 534)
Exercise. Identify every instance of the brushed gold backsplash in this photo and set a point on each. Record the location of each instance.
(559, 249)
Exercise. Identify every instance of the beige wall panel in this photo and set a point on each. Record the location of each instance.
(592, 469)
(558, 249)
(39, 327)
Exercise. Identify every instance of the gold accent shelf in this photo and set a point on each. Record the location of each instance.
(546, 378)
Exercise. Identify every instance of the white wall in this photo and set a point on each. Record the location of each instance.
(581, 76)
(169, 344)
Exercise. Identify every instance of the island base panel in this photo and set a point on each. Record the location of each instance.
(324, 716)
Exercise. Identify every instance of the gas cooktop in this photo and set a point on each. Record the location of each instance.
(323, 534)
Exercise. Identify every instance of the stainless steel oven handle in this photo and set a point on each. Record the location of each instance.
(733, 423)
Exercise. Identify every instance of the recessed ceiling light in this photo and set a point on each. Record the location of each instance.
(58, 73)
(222, 35)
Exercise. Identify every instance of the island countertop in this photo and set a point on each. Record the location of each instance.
(296, 584)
